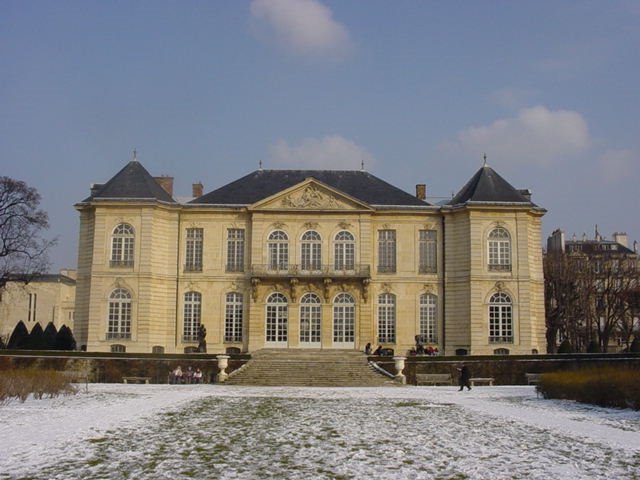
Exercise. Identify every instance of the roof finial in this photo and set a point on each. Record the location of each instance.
(135, 155)
(362, 164)
(260, 165)
(484, 158)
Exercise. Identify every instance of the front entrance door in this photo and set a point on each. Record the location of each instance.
(344, 319)
(310, 320)
(277, 319)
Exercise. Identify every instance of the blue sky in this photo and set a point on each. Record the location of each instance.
(418, 90)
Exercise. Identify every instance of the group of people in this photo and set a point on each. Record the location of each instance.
(378, 351)
(188, 376)
(421, 350)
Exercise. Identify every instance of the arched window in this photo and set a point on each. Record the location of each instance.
(500, 318)
(278, 247)
(277, 318)
(311, 251)
(344, 319)
(192, 316)
(310, 318)
(122, 245)
(429, 318)
(387, 318)
(233, 318)
(499, 248)
(119, 321)
(344, 250)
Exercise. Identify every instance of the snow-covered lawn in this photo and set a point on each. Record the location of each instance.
(213, 431)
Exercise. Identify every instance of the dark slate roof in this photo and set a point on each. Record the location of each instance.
(262, 184)
(488, 187)
(132, 182)
(594, 247)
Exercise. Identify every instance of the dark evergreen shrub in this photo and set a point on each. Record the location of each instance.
(565, 347)
(36, 339)
(635, 345)
(593, 347)
(19, 337)
(64, 339)
(50, 334)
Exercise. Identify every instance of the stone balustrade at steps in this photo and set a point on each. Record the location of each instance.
(309, 368)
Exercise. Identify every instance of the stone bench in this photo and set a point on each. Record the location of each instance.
(433, 379)
(136, 379)
(488, 380)
(533, 378)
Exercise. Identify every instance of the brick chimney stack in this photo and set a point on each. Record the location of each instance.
(421, 191)
(196, 190)
(166, 183)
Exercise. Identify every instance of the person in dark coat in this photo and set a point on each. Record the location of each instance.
(465, 376)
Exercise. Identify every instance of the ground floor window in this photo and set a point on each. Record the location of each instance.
(233, 318)
(387, 318)
(429, 318)
(500, 319)
(119, 321)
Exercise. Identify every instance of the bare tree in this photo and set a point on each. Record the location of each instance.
(23, 251)
(561, 277)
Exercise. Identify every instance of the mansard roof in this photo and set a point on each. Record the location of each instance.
(132, 182)
(262, 184)
(486, 186)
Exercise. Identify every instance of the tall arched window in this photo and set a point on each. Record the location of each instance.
(233, 317)
(429, 317)
(119, 321)
(122, 245)
(277, 318)
(387, 318)
(192, 316)
(344, 319)
(310, 318)
(344, 250)
(311, 251)
(278, 247)
(500, 318)
(499, 248)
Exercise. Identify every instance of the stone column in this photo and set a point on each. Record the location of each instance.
(223, 363)
(400, 378)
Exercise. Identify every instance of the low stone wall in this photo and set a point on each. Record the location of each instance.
(507, 370)
(112, 368)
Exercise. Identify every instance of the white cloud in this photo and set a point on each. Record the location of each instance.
(330, 152)
(306, 27)
(616, 165)
(534, 135)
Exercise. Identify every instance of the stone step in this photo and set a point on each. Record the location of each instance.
(327, 368)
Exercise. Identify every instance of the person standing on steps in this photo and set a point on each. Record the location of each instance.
(464, 377)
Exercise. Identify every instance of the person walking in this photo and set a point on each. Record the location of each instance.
(464, 377)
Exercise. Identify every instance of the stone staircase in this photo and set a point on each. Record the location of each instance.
(309, 368)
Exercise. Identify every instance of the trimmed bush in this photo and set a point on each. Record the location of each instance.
(64, 339)
(593, 347)
(19, 337)
(566, 347)
(606, 387)
(50, 334)
(635, 345)
(20, 383)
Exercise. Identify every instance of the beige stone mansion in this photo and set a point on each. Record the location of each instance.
(308, 259)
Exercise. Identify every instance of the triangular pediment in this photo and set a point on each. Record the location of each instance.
(310, 195)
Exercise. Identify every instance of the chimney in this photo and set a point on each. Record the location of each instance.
(526, 193)
(196, 189)
(421, 191)
(555, 243)
(95, 188)
(621, 238)
(166, 183)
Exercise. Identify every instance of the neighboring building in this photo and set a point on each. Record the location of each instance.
(605, 280)
(308, 259)
(46, 298)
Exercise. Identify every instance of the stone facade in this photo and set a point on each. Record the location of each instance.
(307, 264)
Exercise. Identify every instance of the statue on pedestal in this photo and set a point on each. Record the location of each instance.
(202, 343)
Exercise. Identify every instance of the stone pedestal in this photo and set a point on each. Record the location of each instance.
(400, 378)
(223, 363)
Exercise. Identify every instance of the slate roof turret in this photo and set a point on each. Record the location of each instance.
(486, 186)
(133, 182)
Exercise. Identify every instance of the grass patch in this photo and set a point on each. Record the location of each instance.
(408, 404)
(605, 387)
